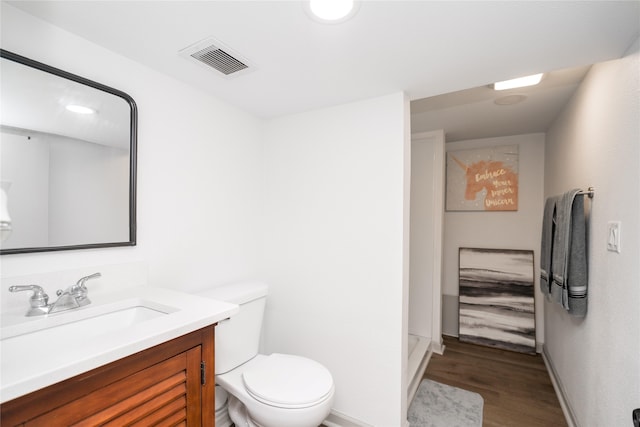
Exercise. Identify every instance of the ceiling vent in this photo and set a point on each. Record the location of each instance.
(213, 54)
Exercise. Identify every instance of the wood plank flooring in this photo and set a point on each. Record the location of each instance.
(516, 388)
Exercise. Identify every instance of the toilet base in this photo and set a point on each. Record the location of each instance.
(222, 413)
(239, 414)
(222, 418)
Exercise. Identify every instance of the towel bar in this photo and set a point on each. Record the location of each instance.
(589, 192)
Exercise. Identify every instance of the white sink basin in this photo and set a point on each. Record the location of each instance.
(90, 324)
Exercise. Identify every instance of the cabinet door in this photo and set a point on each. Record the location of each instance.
(167, 393)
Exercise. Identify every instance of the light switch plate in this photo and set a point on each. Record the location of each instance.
(613, 236)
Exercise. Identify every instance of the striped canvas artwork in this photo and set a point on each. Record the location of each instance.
(497, 299)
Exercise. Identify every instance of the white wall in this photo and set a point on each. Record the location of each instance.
(499, 230)
(427, 200)
(199, 165)
(422, 234)
(596, 142)
(334, 249)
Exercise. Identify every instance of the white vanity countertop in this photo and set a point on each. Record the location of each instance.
(28, 364)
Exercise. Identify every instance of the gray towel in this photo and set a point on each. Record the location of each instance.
(546, 245)
(577, 274)
(568, 260)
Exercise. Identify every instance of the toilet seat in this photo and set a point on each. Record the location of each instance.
(288, 381)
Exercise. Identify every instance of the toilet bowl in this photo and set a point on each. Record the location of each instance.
(276, 390)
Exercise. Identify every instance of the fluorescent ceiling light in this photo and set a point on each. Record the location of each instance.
(519, 82)
(80, 109)
(331, 10)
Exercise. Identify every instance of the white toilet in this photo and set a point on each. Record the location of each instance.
(278, 390)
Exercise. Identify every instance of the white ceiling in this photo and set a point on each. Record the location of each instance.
(424, 48)
(481, 113)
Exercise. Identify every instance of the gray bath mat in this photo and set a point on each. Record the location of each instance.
(440, 405)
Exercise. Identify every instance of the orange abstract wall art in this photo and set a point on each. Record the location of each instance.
(483, 179)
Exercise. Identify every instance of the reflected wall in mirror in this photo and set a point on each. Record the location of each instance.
(68, 177)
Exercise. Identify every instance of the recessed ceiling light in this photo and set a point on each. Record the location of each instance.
(332, 11)
(80, 109)
(519, 82)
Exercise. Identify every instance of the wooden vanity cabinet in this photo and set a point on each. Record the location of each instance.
(167, 385)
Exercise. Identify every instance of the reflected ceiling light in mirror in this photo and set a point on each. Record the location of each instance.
(519, 82)
(331, 11)
(80, 109)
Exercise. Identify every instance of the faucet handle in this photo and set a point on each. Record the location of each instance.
(79, 291)
(80, 282)
(38, 300)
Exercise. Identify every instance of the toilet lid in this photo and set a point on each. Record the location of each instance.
(288, 381)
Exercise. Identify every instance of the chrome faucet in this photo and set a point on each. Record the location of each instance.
(74, 296)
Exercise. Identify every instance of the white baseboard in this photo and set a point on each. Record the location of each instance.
(338, 419)
(438, 346)
(417, 378)
(557, 385)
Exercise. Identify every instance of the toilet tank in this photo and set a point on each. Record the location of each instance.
(238, 338)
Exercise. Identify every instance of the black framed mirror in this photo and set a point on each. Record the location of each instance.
(67, 160)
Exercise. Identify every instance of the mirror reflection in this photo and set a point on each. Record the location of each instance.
(67, 160)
